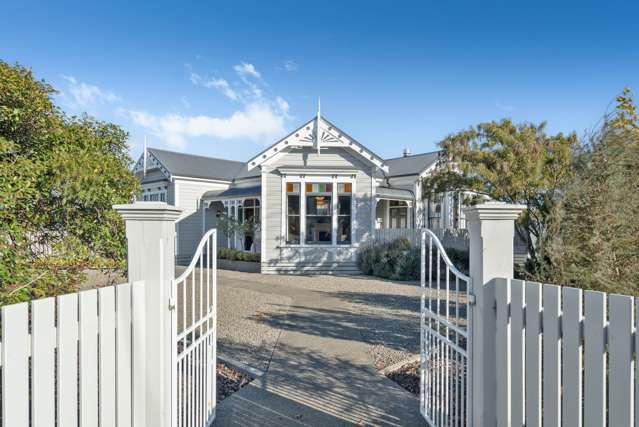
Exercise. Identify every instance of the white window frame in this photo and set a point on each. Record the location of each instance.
(334, 179)
(147, 193)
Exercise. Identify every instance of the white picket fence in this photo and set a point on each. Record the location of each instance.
(68, 360)
(565, 356)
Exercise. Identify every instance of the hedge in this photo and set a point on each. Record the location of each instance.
(237, 255)
(398, 260)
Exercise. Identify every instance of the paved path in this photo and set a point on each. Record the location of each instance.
(322, 369)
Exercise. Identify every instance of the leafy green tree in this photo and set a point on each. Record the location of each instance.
(515, 163)
(597, 222)
(59, 177)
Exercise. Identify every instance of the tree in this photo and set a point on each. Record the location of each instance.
(597, 222)
(515, 163)
(59, 177)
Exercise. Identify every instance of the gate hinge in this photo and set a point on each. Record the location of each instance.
(171, 304)
(471, 299)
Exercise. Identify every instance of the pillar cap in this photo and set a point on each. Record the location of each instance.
(148, 211)
(494, 210)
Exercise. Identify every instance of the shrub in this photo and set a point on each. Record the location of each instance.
(237, 255)
(398, 260)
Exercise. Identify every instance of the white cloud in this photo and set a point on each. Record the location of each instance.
(223, 86)
(214, 83)
(258, 121)
(85, 94)
(282, 105)
(289, 65)
(245, 69)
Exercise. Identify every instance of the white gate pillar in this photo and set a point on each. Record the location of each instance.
(491, 228)
(150, 232)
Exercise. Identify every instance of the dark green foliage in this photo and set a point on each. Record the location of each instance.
(597, 223)
(396, 260)
(514, 163)
(237, 255)
(459, 258)
(59, 177)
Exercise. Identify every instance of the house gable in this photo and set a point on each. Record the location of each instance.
(152, 162)
(330, 137)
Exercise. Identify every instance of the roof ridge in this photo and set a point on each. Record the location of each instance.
(413, 155)
(196, 155)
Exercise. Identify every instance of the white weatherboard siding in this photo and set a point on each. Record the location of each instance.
(187, 196)
(278, 257)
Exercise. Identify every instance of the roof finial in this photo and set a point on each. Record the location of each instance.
(317, 131)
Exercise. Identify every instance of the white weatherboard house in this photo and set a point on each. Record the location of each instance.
(316, 195)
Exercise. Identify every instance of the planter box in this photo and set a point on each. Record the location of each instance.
(243, 266)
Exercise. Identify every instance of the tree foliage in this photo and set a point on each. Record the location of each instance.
(515, 163)
(59, 177)
(596, 224)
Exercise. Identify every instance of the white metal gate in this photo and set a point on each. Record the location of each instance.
(194, 336)
(445, 345)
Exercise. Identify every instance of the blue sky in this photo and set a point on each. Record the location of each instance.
(227, 78)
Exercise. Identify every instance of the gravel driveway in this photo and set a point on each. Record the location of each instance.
(323, 340)
(242, 334)
(253, 309)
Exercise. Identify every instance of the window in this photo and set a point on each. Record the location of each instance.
(435, 211)
(250, 211)
(293, 213)
(398, 212)
(344, 213)
(319, 213)
(155, 197)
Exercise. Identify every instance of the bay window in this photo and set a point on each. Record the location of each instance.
(293, 213)
(319, 213)
(344, 204)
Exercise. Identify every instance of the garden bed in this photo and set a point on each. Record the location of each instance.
(236, 260)
(229, 381)
(235, 265)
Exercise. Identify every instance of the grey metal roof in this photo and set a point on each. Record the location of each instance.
(234, 192)
(198, 166)
(411, 165)
(394, 193)
(245, 173)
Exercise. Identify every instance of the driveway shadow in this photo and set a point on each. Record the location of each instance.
(305, 387)
(394, 329)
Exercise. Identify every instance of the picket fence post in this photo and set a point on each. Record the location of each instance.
(150, 232)
(491, 228)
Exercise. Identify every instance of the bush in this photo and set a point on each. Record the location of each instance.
(398, 260)
(237, 255)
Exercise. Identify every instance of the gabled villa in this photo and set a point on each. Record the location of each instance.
(315, 196)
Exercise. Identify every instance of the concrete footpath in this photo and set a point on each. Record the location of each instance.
(321, 370)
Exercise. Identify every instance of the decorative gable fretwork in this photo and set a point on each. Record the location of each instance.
(151, 163)
(306, 136)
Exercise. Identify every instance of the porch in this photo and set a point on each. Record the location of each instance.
(235, 212)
